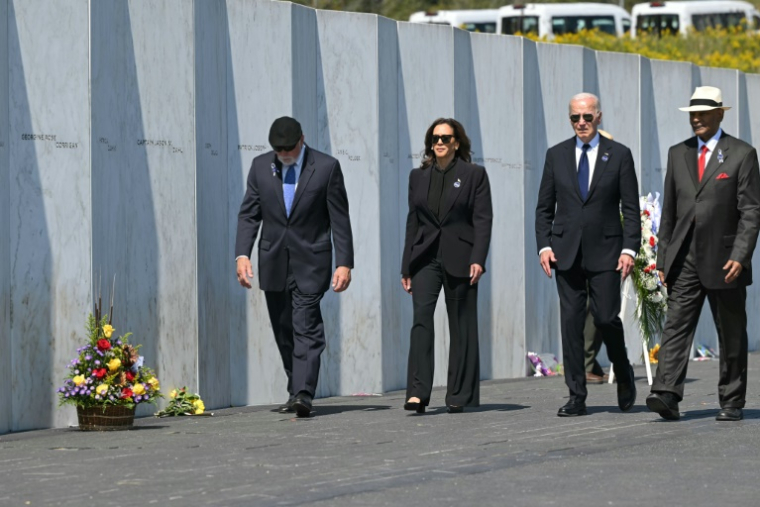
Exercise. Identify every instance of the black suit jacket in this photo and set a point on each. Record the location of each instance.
(724, 208)
(319, 210)
(564, 221)
(464, 231)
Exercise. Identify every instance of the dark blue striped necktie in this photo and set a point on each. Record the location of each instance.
(583, 171)
(289, 187)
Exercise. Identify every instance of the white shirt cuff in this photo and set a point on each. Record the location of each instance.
(629, 252)
(545, 249)
(241, 257)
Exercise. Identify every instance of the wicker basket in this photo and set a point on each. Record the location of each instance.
(110, 418)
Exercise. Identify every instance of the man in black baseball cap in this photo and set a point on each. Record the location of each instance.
(297, 196)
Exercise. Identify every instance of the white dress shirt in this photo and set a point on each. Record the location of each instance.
(711, 144)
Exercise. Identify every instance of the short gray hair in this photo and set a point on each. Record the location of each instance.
(585, 96)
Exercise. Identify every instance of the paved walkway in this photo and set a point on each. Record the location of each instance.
(512, 451)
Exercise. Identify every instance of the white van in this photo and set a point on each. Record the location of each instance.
(475, 20)
(548, 20)
(677, 17)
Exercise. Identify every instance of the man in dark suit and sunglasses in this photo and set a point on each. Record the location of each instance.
(587, 181)
(296, 194)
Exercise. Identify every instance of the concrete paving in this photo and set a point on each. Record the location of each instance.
(367, 451)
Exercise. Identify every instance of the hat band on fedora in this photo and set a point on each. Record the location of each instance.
(705, 102)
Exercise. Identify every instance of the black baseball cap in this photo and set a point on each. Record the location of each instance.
(285, 133)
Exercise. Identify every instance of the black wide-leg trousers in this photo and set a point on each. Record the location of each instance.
(578, 287)
(463, 385)
(686, 297)
(300, 334)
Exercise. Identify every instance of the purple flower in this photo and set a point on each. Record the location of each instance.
(97, 363)
(88, 357)
(67, 395)
(111, 397)
(97, 396)
(100, 353)
(76, 372)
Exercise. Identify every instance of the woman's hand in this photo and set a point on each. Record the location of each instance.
(476, 271)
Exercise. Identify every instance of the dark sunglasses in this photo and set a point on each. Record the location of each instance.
(588, 117)
(445, 139)
(284, 148)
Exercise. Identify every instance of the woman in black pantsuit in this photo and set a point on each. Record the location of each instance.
(448, 231)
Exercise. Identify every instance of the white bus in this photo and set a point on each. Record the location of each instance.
(475, 20)
(548, 20)
(678, 17)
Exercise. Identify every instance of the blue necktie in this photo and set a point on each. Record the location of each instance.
(289, 188)
(583, 171)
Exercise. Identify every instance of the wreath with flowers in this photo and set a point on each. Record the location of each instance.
(108, 371)
(651, 296)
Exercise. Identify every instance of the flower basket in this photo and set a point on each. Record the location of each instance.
(108, 418)
(107, 379)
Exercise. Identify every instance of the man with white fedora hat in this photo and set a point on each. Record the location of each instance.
(709, 228)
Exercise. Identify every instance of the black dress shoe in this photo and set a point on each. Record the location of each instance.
(572, 409)
(302, 404)
(287, 407)
(664, 404)
(454, 409)
(416, 406)
(626, 391)
(730, 414)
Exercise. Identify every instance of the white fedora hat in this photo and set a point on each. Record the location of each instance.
(706, 98)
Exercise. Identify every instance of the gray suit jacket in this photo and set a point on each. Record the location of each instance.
(724, 208)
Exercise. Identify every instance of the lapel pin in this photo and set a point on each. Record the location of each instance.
(274, 169)
(605, 157)
(457, 183)
(720, 157)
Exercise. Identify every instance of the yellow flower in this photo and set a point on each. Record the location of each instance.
(138, 389)
(173, 393)
(78, 380)
(153, 381)
(102, 389)
(108, 330)
(654, 352)
(199, 406)
(114, 364)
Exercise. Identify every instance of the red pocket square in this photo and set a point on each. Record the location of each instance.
(722, 176)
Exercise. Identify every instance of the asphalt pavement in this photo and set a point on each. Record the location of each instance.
(367, 451)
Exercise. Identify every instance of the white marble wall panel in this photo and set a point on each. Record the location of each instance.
(262, 85)
(619, 78)
(619, 91)
(215, 268)
(495, 102)
(350, 104)
(665, 86)
(393, 209)
(553, 74)
(49, 190)
(143, 166)
(6, 363)
(750, 104)
(426, 92)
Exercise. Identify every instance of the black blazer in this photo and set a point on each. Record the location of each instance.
(724, 208)
(564, 221)
(320, 208)
(464, 231)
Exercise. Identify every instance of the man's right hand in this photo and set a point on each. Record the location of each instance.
(547, 257)
(244, 272)
(661, 274)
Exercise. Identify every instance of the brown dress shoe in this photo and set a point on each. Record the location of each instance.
(593, 379)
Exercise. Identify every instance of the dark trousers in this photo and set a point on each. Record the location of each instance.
(300, 334)
(686, 297)
(592, 338)
(603, 293)
(463, 385)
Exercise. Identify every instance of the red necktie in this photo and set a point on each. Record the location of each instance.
(702, 157)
